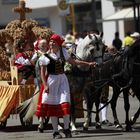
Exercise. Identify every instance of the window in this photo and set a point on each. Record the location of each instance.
(10, 1)
(43, 21)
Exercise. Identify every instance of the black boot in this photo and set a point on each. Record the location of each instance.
(67, 133)
(56, 135)
(40, 128)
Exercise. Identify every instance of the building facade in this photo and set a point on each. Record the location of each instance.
(58, 16)
(124, 14)
(51, 15)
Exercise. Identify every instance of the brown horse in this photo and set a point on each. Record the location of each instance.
(124, 75)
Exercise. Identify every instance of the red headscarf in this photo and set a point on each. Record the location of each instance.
(58, 39)
(36, 43)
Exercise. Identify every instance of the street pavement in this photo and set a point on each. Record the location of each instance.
(14, 130)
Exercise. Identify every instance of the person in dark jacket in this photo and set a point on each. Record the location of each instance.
(117, 42)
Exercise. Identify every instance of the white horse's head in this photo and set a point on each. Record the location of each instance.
(90, 48)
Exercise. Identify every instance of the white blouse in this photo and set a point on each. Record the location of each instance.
(43, 60)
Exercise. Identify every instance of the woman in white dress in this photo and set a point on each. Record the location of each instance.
(56, 94)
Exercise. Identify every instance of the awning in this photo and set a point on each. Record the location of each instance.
(123, 14)
(35, 4)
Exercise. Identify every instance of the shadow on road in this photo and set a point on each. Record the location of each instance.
(20, 128)
(92, 129)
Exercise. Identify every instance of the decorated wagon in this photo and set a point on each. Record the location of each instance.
(14, 96)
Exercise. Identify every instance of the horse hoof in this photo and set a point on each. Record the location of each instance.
(128, 128)
(75, 132)
(3, 125)
(106, 123)
(60, 128)
(118, 126)
(98, 125)
(132, 121)
(41, 130)
(85, 128)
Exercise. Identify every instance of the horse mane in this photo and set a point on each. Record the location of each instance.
(82, 47)
(89, 43)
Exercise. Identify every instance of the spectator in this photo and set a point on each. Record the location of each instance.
(70, 38)
(94, 31)
(103, 100)
(84, 34)
(78, 38)
(129, 53)
(128, 40)
(117, 42)
(135, 47)
(135, 36)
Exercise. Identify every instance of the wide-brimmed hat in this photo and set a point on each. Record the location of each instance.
(69, 39)
(135, 34)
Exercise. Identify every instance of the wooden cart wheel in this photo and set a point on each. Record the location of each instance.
(3, 124)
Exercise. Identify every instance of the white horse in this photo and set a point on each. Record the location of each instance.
(89, 49)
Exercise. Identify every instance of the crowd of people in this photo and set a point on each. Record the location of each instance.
(127, 44)
(51, 54)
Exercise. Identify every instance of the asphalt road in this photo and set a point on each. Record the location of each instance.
(14, 130)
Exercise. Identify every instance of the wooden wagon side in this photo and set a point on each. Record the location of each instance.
(12, 94)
